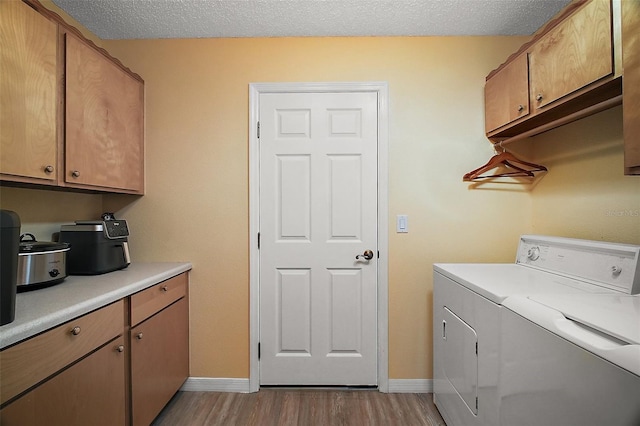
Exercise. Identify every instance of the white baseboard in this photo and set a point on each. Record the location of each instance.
(410, 385)
(215, 384)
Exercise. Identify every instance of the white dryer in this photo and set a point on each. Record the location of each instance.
(473, 348)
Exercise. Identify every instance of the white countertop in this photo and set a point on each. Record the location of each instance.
(42, 309)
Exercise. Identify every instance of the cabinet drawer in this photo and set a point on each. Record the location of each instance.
(28, 363)
(149, 301)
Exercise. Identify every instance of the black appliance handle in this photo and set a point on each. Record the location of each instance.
(23, 236)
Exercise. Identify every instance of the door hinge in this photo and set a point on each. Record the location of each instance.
(476, 403)
(378, 254)
(258, 241)
(258, 130)
(258, 350)
(476, 348)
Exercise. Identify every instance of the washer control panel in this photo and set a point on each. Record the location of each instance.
(614, 266)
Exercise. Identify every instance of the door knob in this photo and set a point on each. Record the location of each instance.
(367, 255)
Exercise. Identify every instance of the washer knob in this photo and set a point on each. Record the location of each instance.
(533, 253)
(616, 270)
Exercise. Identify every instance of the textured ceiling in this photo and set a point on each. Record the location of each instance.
(136, 19)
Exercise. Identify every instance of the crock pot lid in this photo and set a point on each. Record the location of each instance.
(41, 246)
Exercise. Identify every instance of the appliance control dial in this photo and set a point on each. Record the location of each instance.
(54, 273)
(533, 253)
(616, 270)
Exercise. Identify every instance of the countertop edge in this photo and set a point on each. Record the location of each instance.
(108, 293)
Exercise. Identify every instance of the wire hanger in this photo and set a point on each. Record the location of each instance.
(506, 159)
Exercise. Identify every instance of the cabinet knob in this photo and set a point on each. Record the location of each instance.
(120, 348)
(520, 108)
(139, 336)
(539, 97)
(75, 173)
(164, 288)
(76, 330)
(49, 169)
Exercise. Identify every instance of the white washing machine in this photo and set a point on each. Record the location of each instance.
(570, 360)
(476, 356)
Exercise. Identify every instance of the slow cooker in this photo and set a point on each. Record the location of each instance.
(40, 263)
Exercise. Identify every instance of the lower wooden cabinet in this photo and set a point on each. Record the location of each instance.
(114, 366)
(48, 353)
(159, 360)
(90, 392)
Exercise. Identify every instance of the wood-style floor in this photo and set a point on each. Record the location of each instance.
(308, 407)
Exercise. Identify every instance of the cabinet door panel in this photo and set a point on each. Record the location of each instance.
(631, 84)
(104, 121)
(159, 360)
(28, 67)
(91, 392)
(506, 94)
(573, 54)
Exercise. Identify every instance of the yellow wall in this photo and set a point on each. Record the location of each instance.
(585, 195)
(42, 212)
(196, 205)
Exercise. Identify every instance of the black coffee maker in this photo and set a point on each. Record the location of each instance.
(9, 248)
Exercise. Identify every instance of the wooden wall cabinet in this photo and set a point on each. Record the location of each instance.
(104, 121)
(71, 115)
(631, 85)
(575, 53)
(506, 94)
(585, 60)
(159, 347)
(574, 66)
(29, 94)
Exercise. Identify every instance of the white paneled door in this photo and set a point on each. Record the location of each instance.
(318, 211)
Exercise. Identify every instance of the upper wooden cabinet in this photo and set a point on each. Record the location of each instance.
(71, 115)
(104, 121)
(507, 94)
(572, 55)
(28, 93)
(631, 85)
(573, 65)
(585, 60)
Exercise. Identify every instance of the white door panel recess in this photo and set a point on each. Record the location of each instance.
(318, 216)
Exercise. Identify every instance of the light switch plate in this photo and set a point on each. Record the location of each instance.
(402, 223)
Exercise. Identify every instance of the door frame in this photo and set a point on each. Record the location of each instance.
(381, 88)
